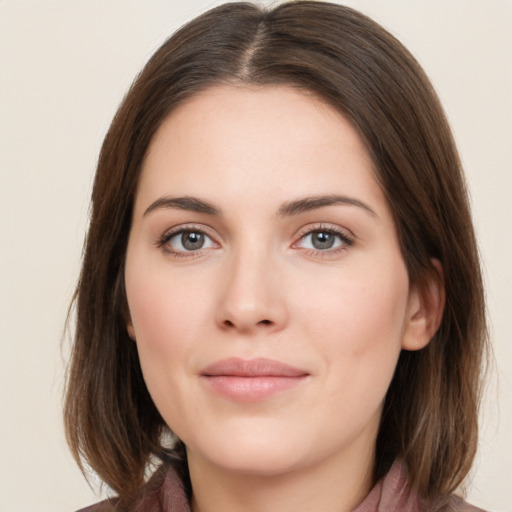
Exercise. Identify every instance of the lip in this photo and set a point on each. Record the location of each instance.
(251, 380)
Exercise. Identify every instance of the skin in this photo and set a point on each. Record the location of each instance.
(259, 287)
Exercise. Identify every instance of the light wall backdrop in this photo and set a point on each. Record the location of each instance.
(64, 67)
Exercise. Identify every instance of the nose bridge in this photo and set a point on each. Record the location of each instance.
(251, 298)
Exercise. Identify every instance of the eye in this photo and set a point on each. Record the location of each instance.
(324, 239)
(187, 240)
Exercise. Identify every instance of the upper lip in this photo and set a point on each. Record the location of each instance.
(260, 367)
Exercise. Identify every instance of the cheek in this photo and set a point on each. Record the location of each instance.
(368, 297)
(163, 309)
(161, 318)
(357, 321)
(165, 319)
(171, 312)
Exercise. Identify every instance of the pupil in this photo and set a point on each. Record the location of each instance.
(322, 240)
(192, 240)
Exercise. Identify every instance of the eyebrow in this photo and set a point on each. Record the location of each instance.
(314, 202)
(288, 209)
(183, 203)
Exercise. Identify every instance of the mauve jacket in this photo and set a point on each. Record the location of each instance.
(391, 494)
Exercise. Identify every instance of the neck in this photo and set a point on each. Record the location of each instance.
(329, 487)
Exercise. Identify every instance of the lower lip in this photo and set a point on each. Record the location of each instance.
(251, 389)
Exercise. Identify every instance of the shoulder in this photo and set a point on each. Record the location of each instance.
(393, 492)
(102, 506)
(457, 504)
(163, 493)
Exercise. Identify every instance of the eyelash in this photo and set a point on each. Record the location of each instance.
(163, 242)
(346, 241)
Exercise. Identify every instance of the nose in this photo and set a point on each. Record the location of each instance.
(252, 298)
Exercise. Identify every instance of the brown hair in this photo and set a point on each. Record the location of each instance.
(430, 413)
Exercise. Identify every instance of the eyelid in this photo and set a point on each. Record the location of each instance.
(163, 241)
(346, 236)
(325, 226)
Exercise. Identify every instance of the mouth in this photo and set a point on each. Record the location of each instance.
(251, 380)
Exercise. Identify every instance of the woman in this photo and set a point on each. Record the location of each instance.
(280, 306)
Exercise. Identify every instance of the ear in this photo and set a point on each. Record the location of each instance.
(425, 309)
(130, 329)
(128, 320)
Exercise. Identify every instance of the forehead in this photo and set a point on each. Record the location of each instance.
(266, 139)
(267, 112)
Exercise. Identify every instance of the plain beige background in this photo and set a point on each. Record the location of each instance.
(64, 67)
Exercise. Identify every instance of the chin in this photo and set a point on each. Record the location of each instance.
(253, 454)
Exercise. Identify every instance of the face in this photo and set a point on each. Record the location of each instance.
(267, 293)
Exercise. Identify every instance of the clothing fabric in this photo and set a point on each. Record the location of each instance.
(392, 493)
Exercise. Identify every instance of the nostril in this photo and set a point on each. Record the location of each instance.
(230, 324)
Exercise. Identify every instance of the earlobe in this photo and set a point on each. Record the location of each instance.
(131, 330)
(129, 324)
(425, 310)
